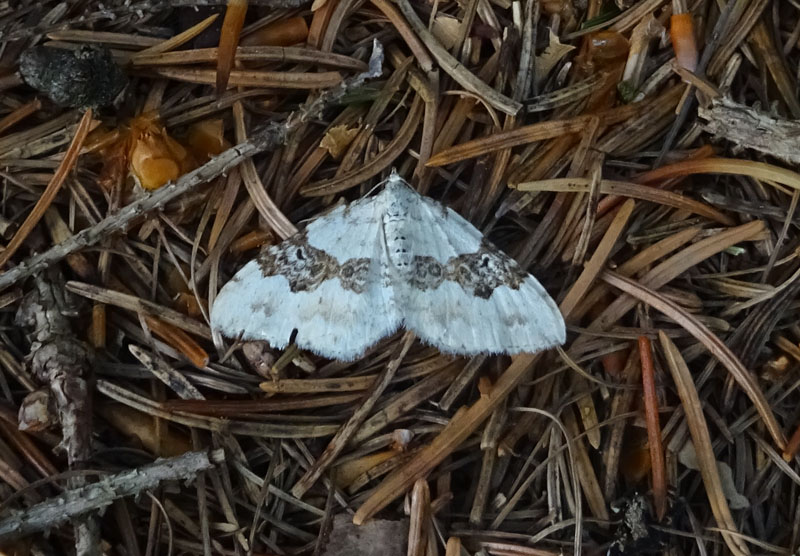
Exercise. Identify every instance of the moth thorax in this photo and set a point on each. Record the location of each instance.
(397, 242)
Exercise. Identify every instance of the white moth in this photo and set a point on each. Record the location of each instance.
(357, 274)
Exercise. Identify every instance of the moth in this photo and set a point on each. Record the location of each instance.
(360, 272)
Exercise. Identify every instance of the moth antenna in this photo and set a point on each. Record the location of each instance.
(393, 177)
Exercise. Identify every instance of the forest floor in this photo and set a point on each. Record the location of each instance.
(637, 157)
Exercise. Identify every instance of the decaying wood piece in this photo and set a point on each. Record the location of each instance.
(96, 496)
(750, 128)
(62, 362)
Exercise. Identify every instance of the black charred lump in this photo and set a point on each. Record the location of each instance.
(84, 78)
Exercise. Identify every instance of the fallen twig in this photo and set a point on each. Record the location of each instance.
(93, 497)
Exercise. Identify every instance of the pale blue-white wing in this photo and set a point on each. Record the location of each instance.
(327, 283)
(464, 296)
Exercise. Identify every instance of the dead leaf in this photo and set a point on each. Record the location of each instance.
(737, 501)
(337, 139)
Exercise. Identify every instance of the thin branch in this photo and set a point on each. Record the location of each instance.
(72, 503)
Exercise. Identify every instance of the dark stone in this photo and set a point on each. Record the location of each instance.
(84, 78)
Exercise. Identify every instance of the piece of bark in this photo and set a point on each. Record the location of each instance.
(752, 129)
(378, 537)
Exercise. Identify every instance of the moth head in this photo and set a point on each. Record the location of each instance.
(395, 180)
